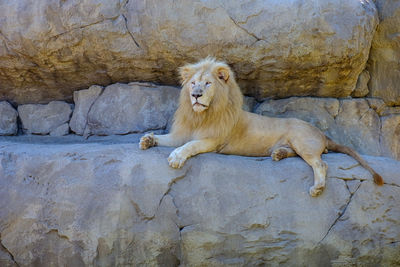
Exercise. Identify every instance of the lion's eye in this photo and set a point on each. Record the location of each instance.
(208, 83)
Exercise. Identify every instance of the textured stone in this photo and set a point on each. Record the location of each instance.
(383, 63)
(277, 48)
(218, 210)
(349, 122)
(377, 104)
(42, 119)
(83, 100)
(134, 107)
(362, 85)
(320, 112)
(391, 135)
(359, 126)
(60, 130)
(8, 119)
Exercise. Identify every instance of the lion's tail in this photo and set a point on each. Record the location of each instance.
(332, 146)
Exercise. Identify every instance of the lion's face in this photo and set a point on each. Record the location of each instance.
(201, 90)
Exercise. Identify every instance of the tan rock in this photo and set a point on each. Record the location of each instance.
(279, 48)
(383, 63)
(361, 89)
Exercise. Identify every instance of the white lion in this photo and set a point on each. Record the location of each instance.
(210, 118)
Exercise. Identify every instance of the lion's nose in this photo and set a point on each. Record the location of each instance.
(196, 95)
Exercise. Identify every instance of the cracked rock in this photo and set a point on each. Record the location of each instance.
(83, 100)
(279, 48)
(109, 203)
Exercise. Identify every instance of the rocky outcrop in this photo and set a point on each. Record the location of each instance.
(383, 63)
(8, 119)
(108, 203)
(282, 48)
(45, 119)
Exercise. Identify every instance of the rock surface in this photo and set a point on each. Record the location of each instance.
(134, 107)
(42, 119)
(383, 63)
(281, 48)
(8, 119)
(107, 203)
(83, 100)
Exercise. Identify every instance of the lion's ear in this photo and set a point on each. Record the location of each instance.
(223, 73)
(186, 72)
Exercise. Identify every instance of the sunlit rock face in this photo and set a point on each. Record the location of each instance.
(277, 48)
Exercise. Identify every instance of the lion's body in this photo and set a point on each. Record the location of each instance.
(210, 118)
(256, 135)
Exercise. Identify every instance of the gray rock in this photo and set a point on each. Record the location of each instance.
(391, 136)
(218, 210)
(134, 107)
(377, 104)
(83, 100)
(249, 103)
(60, 130)
(359, 126)
(8, 119)
(277, 48)
(383, 63)
(42, 119)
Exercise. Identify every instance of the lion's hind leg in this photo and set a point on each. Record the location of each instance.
(310, 150)
(282, 153)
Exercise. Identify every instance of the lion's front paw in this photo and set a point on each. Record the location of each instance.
(176, 159)
(316, 190)
(147, 141)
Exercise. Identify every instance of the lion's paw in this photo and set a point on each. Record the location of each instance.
(147, 141)
(279, 154)
(176, 159)
(316, 190)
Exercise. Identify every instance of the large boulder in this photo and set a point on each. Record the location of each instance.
(91, 204)
(277, 48)
(8, 119)
(383, 63)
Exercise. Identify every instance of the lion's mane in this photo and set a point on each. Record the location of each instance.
(224, 110)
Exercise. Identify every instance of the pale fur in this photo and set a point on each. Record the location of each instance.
(219, 124)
